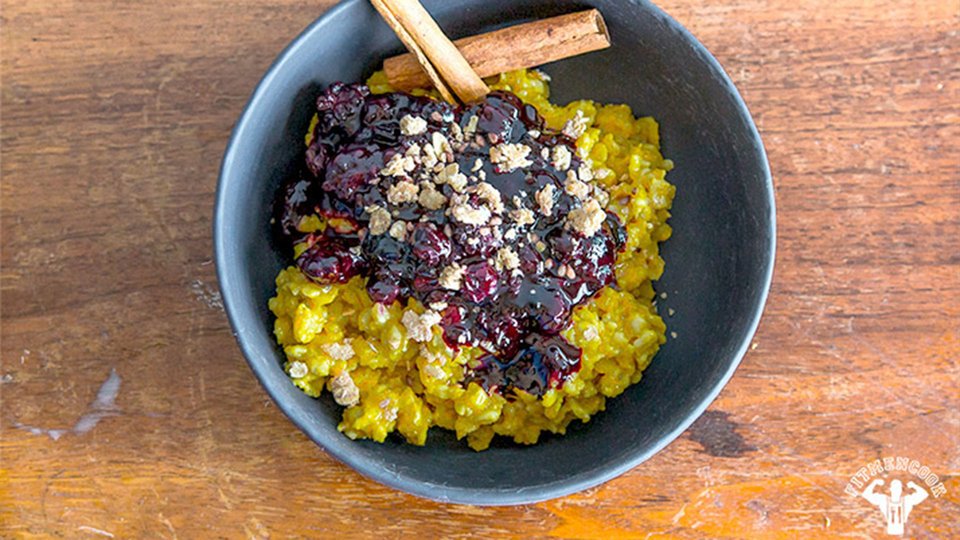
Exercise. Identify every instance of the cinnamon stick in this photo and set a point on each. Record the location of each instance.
(521, 46)
(433, 54)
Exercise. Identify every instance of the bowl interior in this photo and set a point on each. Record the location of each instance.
(718, 262)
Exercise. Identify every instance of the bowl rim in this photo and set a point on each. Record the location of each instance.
(464, 495)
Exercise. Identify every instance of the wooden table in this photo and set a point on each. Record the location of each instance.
(114, 118)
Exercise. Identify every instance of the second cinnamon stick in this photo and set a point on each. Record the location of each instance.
(521, 46)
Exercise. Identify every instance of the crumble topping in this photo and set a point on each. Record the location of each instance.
(402, 192)
(576, 126)
(430, 198)
(339, 351)
(575, 187)
(298, 369)
(399, 165)
(420, 327)
(545, 199)
(510, 156)
(587, 219)
(471, 215)
(344, 390)
(585, 171)
(561, 157)
(491, 195)
(398, 231)
(379, 219)
(412, 125)
(388, 409)
(451, 277)
(452, 176)
(507, 258)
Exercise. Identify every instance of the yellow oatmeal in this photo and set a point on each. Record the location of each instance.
(336, 338)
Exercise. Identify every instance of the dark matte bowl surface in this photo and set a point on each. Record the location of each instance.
(718, 264)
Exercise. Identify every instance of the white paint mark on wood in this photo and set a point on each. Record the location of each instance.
(207, 294)
(102, 406)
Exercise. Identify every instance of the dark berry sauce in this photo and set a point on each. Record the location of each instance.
(503, 281)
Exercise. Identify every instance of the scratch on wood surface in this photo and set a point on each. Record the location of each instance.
(95, 530)
(254, 529)
(102, 406)
(166, 522)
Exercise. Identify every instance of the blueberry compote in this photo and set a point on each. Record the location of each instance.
(479, 212)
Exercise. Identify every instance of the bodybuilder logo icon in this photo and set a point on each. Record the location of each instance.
(893, 503)
(896, 506)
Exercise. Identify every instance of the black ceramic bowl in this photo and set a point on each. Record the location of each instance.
(718, 263)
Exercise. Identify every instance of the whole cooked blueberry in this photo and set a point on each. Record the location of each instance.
(329, 261)
(430, 245)
(479, 282)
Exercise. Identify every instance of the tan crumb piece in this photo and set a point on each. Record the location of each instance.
(511, 233)
(451, 277)
(456, 131)
(379, 219)
(507, 258)
(585, 171)
(431, 356)
(412, 125)
(575, 187)
(602, 196)
(298, 369)
(663, 295)
(522, 216)
(420, 327)
(345, 391)
(438, 306)
(389, 410)
(477, 165)
(440, 145)
(673, 335)
(587, 219)
(544, 198)
(399, 165)
(491, 195)
(575, 127)
(510, 156)
(754, 345)
(339, 351)
(561, 157)
(398, 231)
(429, 156)
(471, 125)
(452, 176)
(434, 371)
(471, 215)
(671, 312)
(430, 198)
(545, 153)
(413, 152)
(402, 192)
(590, 334)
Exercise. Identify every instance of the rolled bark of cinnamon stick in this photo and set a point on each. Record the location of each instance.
(521, 46)
(426, 41)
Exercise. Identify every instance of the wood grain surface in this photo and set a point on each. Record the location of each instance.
(115, 114)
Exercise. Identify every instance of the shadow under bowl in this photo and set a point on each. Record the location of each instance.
(719, 261)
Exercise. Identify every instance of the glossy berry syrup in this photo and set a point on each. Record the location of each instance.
(505, 275)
